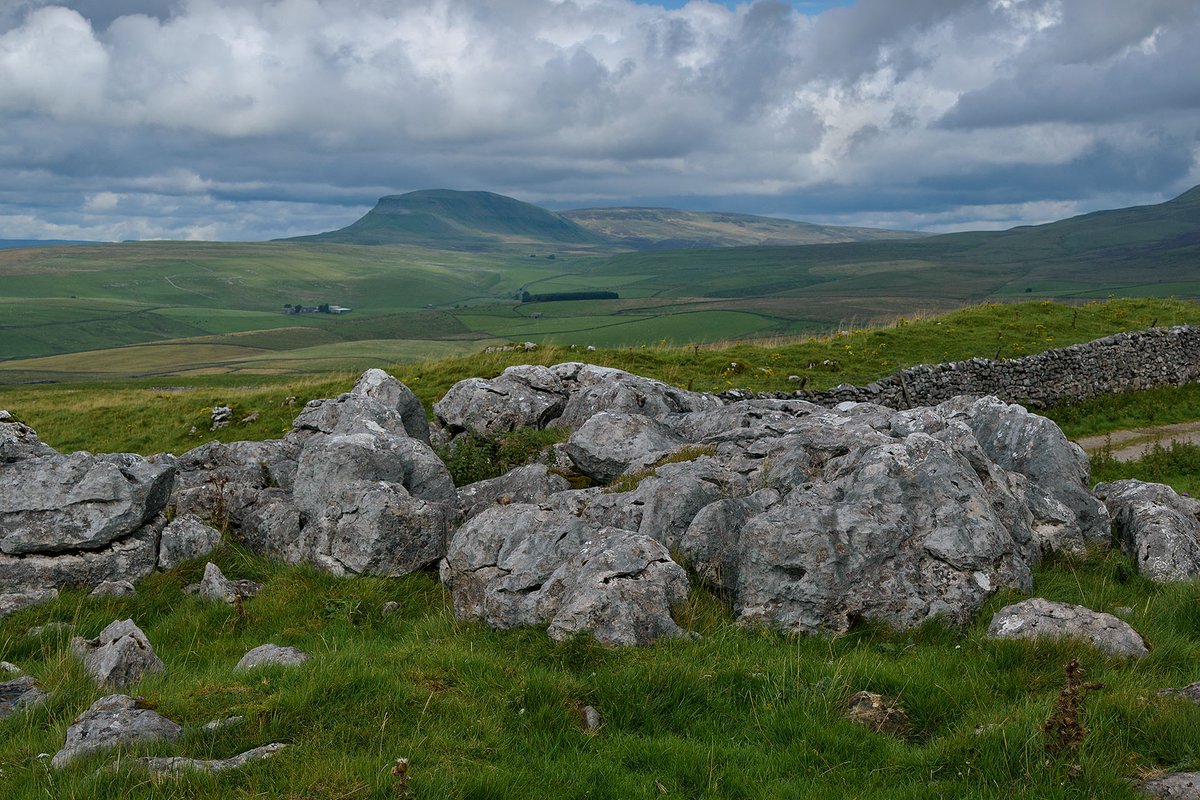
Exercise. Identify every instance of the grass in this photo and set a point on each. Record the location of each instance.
(158, 414)
(1178, 466)
(479, 713)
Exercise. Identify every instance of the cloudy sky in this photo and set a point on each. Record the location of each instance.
(252, 119)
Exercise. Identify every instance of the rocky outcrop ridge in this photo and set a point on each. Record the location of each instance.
(806, 518)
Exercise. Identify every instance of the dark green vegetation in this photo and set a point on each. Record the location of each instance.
(672, 229)
(485, 714)
(172, 308)
(1178, 466)
(153, 414)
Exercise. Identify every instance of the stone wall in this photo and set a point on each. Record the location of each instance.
(1119, 363)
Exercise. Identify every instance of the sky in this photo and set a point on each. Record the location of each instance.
(256, 119)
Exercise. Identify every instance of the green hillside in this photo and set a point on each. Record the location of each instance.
(672, 229)
(443, 218)
(170, 308)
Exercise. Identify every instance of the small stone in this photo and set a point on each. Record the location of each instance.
(11, 668)
(186, 537)
(218, 724)
(591, 719)
(11, 603)
(1177, 786)
(1038, 618)
(390, 607)
(266, 654)
(18, 694)
(114, 589)
(1189, 692)
(878, 712)
(49, 627)
(215, 586)
(248, 419)
(119, 656)
(221, 416)
(1123, 611)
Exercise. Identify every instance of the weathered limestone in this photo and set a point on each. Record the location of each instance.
(215, 586)
(19, 694)
(184, 538)
(1037, 618)
(266, 654)
(111, 722)
(177, 765)
(119, 656)
(1160, 529)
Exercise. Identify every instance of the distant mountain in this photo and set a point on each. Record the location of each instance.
(446, 219)
(673, 229)
(16, 244)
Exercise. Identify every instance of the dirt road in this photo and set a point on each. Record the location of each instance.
(1132, 445)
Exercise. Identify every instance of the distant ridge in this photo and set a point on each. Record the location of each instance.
(455, 220)
(17, 244)
(674, 229)
(447, 219)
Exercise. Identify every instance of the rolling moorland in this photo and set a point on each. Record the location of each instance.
(191, 309)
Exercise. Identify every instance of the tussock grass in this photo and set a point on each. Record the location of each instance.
(480, 713)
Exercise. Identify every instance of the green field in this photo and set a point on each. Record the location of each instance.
(174, 308)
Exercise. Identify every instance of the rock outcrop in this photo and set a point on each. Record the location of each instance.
(1037, 618)
(114, 721)
(1160, 529)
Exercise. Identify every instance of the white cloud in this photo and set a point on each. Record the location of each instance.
(245, 101)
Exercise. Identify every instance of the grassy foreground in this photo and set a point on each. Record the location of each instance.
(155, 415)
(485, 714)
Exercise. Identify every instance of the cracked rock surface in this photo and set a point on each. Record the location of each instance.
(110, 722)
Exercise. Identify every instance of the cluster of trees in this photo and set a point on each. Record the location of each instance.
(551, 297)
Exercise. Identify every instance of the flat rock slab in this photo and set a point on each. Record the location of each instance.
(1189, 692)
(114, 721)
(119, 656)
(266, 654)
(1038, 618)
(1179, 786)
(114, 589)
(14, 602)
(19, 694)
(175, 765)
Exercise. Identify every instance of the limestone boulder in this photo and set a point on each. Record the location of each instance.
(184, 538)
(1160, 529)
(520, 397)
(129, 558)
(378, 385)
(66, 503)
(532, 483)
(112, 722)
(19, 442)
(120, 656)
(619, 587)
(1174, 786)
(12, 602)
(1038, 618)
(1019, 441)
(611, 443)
(215, 586)
(593, 389)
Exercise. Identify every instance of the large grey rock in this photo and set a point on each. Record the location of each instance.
(120, 656)
(1158, 528)
(711, 544)
(1175, 786)
(611, 443)
(378, 528)
(1038, 618)
(19, 442)
(185, 538)
(328, 464)
(58, 504)
(114, 721)
(520, 397)
(177, 765)
(498, 561)
(898, 532)
(378, 385)
(130, 558)
(619, 587)
(1029, 444)
(215, 586)
(13, 602)
(220, 482)
(18, 694)
(268, 654)
(594, 389)
(532, 483)
(524, 565)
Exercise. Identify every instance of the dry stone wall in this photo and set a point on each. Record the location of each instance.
(1119, 363)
